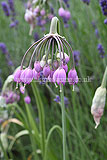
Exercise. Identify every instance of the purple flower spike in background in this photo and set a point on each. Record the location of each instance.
(5, 8)
(13, 24)
(97, 33)
(57, 100)
(76, 57)
(11, 5)
(36, 36)
(27, 99)
(105, 21)
(86, 1)
(101, 50)
(103, 4)
(3, 48)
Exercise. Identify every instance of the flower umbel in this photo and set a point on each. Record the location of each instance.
(52, 53)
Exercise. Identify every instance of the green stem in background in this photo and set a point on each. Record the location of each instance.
(4, 151)
(41, 116)
(63, 122)
(55, 127)
(54, 28)
(72, 124)
(103, 84)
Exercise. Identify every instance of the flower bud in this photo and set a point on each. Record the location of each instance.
(22, 89)
(61, 12)
(67, 58)
(67, 15)
(98, 104)
(42, 12)
(29, 16)
(27, 99)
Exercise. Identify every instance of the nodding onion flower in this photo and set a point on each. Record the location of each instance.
(50, 58)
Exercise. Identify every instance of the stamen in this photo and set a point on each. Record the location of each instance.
(56, 85)
(73, 88)
(17, 85)
(60, 88)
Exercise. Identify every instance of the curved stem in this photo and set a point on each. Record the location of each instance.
(71, 51)
(36, 49)
(103, 84)
(59, 49)
(62, 48)
(48, 49)
(54, 28)
(63, 122)
(49, 136)
(28, 51)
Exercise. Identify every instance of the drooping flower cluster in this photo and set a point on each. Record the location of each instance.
(4, 50)
(101, 50)
(66, 15)
(51, 62)
(86, 1)
(6, 8)
(103, 4)
(37, 15)
(9, 11)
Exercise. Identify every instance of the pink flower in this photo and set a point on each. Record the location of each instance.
(61, 78)
(37, 66)
(50, 77)
(27, 76)
(36, 75)
(27, 99)
(17, 75)
(72, 77)
(65, 67)
(22, 89)
(61, 12)
(67, 15)
(42, 12)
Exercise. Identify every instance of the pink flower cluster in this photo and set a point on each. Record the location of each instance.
(56, 74)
